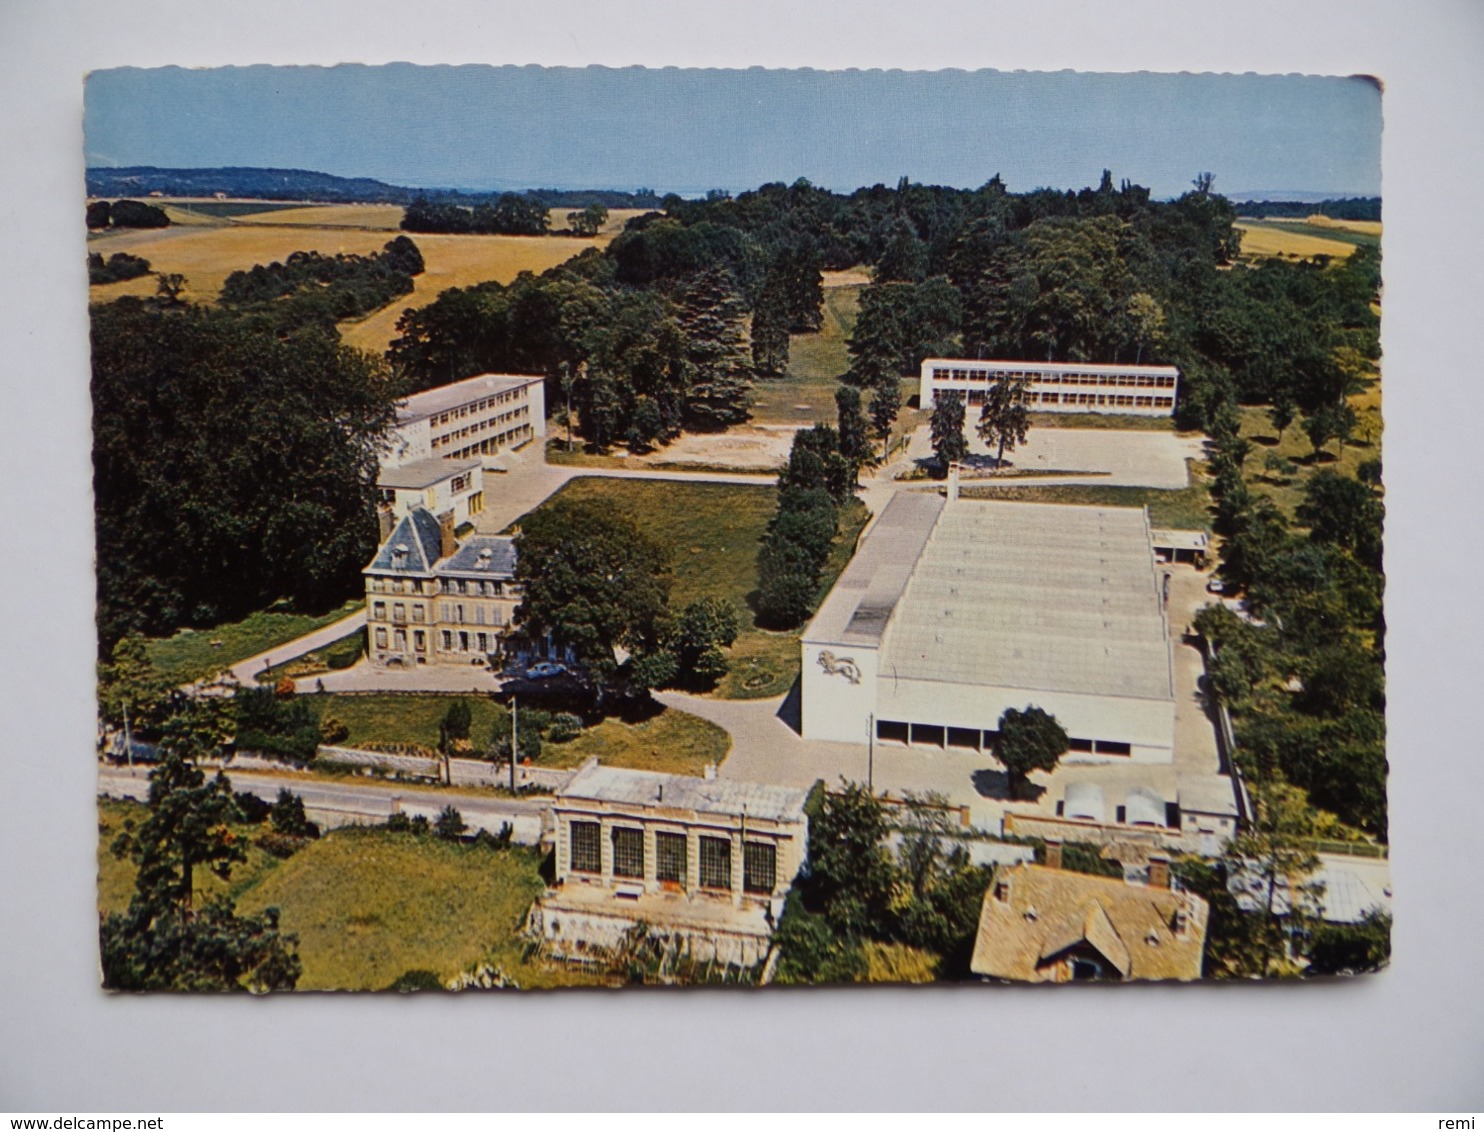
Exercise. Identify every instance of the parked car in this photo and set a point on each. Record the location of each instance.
(1216, 586)
(545, 670)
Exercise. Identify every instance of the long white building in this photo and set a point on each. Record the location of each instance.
(1058, 387)
(953, 610)
(477, 418)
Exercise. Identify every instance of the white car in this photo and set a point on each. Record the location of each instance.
(1216, 586)
(545, 670)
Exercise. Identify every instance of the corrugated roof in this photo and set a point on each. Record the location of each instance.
(482, 556)
(445, 397)
(861, 603)
(682, 791)
(412, 547)
(1035, 596)
(423, 473)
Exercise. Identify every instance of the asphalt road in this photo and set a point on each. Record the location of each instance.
(335, 803)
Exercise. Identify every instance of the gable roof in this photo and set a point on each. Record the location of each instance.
(412, 547)
(1044, 913)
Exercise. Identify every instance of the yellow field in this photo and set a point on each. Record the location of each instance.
(1366, 227)
(1260, 241)
(207, 254)
(383, 216)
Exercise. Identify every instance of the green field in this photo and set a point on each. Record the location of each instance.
(806, 394)
(1288, 491)
(368, 905)
(1318, 231)
(672, 742)
(193, 653)
(713, 532)
(1186, 509)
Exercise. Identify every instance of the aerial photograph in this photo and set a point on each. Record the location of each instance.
(622, 527)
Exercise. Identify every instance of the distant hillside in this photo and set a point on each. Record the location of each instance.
(307, 185)
(1302, 205)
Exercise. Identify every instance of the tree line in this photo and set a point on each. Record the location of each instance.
(328, 288)
(509, 215)
(116, 268)
(125, 214)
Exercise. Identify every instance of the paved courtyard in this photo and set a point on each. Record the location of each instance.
(1129, 458)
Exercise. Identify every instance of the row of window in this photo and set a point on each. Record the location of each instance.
(1125, 400)
(399, 612)
(494, 444)
(494, 422)
(453, 640)
(477, 406)
(478, 614)
(971, 738)
(1123, 380)
(671, 852)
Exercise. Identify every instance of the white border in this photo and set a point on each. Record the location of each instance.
(1413, 1038)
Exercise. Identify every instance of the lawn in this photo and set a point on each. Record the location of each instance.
(1288, 491)
(193, 653)
(673, 742)
(336, 655)
(1185, 509)
(806, 394)
(408, 718)
(368, 905)
(713, 532)
(116, 877)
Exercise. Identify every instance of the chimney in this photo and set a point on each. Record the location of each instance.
(1053, 853)
(953, 474)
(447, 543)
(1159, 871)
(710, 772)
(385, 521)
(1002, 889)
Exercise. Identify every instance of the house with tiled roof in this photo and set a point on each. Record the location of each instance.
(1044, 924)
(431, 599)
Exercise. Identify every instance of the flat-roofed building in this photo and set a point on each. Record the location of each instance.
(477, 418)
(435, 485)
(704, 861)
(1058, 387)
(953, 610)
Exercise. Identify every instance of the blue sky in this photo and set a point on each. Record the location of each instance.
(690, 130)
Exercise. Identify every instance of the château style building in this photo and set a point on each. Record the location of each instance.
(431, 599)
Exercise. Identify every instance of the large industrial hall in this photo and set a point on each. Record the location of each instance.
(954, 609)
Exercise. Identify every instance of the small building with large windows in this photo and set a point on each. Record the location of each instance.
(431, 599)
(436, 485)
(953, 610)
(705, 863)
(1057, 387)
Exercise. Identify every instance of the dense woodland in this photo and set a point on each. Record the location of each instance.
(234, 464)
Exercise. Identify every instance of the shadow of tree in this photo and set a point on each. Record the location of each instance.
(991, 783)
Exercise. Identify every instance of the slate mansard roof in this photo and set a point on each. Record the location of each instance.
(483, 556)
(411, 548)
(415, 544)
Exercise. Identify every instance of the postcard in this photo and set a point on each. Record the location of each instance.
(565, 527)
